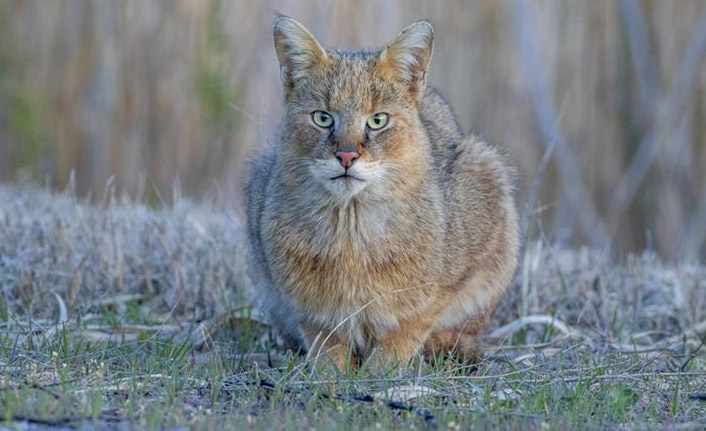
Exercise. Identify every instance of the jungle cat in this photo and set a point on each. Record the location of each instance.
(375, 226)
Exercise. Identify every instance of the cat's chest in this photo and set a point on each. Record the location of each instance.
(355, 232)
(339, 261)
(351, 293)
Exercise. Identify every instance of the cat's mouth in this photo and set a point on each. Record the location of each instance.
(346, 176)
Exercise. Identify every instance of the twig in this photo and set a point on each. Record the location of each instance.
(518, 324)
(427, 415)
(60, 422)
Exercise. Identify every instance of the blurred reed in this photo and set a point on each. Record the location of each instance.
(600, 104)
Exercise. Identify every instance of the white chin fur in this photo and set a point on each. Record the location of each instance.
(361, 175)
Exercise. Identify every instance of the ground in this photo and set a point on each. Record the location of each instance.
(115, 315)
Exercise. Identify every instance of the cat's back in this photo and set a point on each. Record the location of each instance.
(259, 176)
(440, 124)
(476, 183)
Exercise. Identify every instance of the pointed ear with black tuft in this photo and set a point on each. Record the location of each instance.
(299, 53)
(407, 58)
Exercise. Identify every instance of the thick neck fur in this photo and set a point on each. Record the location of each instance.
(372, 224)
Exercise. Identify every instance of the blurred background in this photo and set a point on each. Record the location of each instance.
(601, 104)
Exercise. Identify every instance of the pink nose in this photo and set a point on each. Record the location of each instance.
(346, 157)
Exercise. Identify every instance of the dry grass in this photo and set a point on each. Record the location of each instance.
(187, 260)
(118, 316)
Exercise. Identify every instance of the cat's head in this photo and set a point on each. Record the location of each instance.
(351, 117)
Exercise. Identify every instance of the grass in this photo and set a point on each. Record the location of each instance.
(117, 316)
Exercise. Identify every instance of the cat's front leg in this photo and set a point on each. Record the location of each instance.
(398, 346)
(324, 346)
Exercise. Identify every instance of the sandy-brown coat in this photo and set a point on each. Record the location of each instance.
(417, 247)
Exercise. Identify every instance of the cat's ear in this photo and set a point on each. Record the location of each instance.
(406, 59)
(297, 50)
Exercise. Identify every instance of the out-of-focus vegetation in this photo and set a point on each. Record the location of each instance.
(148, 94)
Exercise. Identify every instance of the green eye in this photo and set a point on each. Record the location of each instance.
(377, 121)
(322, 119)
